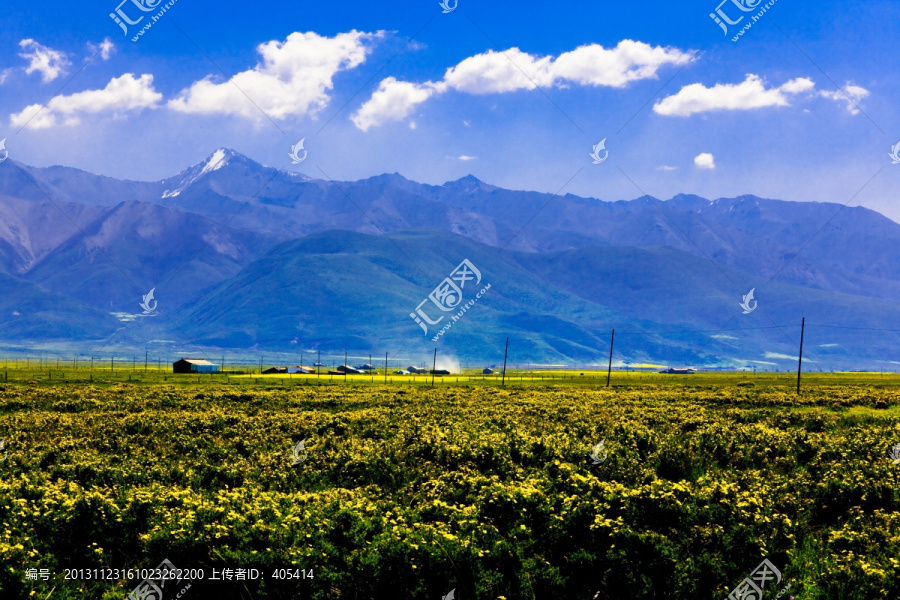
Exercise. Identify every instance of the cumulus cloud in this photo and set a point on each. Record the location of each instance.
(851, 94)
(503, 72)
(294, 78)
(499, 72)
(750, 94)
(465, 157)
(393, 101)
(798, 85)
(665, 168)
(106, 48)
(617, 67)
(705, 160)
(121, 95)
(48, 62)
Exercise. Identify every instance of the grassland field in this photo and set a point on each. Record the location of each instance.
(409, 491)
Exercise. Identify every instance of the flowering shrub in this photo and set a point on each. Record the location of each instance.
(408, 493)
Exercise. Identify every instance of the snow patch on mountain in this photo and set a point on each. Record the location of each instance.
(215, 162)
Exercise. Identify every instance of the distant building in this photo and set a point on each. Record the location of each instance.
(401, 372)
(275, 370)
(412, 369)
(488, 371)
(677, 371)
(440, 372)
(349, 370)
(194, 365)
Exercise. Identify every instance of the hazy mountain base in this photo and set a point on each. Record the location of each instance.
(356, 291)
(342, 291)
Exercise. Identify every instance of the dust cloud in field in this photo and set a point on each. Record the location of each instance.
(448, 363)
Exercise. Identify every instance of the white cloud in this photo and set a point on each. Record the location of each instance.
(294, 78)
(705, 160)
(750, 94)
(666, 168)
(106, 48)
(4, 74)
(465, 157)
(501, 72)
(122, 94)
(851, 94)
(494, 72)
(48, 62)
(778, 355)
(393, 101)
(798, 85)
(617, 67)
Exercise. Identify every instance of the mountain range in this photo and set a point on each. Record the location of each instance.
(243, 257)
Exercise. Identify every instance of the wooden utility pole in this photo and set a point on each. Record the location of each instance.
(385, 368)
(345, 366)
(318, 362)
(505, 354)
(433, 367)
(609, 368)
(800, 358)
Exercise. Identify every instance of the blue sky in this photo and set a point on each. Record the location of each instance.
(802, 107)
